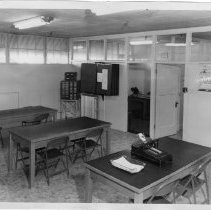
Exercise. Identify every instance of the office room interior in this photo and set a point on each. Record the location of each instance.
(157, 56)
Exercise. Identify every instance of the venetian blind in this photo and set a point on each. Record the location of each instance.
(57, 50)
(2, 48)
(26, 49)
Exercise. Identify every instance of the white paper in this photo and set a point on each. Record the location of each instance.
(104, 79)
(99, 77)
(124, 164)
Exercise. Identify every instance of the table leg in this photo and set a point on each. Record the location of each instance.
(108, 141)
(10, 154)
(209, 182)
(32, 165)
(88, 195)
(54, 116)
(138, 198)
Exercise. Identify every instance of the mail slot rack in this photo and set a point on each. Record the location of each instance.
(68, 90)
(70, 76)
(69, 86)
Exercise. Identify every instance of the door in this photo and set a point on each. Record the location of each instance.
(166, 100)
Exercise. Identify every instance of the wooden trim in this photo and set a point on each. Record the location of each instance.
(153, 89)
(186, 83)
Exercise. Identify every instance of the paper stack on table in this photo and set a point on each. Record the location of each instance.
(124, 164)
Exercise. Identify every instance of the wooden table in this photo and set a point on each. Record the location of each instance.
(37, 136)
(139, 186)
(13, 117)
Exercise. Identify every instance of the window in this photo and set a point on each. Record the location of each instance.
(2, 48)
(201, 46)
(57, 50)
(115, 49)
(79, 50)
(140, 48)
(96, 50)
(26, 49)
(171, 48)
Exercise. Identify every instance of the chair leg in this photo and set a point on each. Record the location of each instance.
(101, 150)
(68, 173)
(2, 143)
(194, 192)
(16, 157)
(46, 174)
(46, 170)
(84, 151)
(204, 194)
(206, 187)
(65, 165)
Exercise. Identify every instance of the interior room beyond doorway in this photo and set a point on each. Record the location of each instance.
(139, 98)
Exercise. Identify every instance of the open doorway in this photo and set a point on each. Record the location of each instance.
(169, 100)
(139, 79)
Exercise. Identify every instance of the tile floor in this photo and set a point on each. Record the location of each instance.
(14, 187)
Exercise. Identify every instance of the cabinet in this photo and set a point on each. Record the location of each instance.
(138, 114)
(100, 79)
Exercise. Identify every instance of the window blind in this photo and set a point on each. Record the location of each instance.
(26, 49)
(57, 50)
(2, 48)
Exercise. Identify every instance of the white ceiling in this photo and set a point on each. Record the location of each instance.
(84, 22)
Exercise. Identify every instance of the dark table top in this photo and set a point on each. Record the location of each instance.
(24, 111)
(57, 128)
(184, 154)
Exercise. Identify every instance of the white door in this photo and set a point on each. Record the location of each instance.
(167, 100)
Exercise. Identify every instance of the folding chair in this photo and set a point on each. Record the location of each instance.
(56, 151)
(193, 183)
(1, 138)
(161, 193)
(92, 141)
(37, 120)
(22, 152)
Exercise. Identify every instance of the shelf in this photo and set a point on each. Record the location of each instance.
(69, 108)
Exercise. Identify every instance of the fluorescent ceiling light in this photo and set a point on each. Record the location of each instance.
(175, 44)
(171, 44)
(140, 42)
(33, 22)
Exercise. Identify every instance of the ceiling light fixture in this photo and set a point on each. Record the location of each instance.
(141, 42)
(171, 44)
(33, 22)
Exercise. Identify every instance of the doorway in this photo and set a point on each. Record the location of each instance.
(139, 76)
(169, 100)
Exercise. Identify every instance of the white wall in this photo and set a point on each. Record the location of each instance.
(114, 108)
(39, 85)
(35, 84)
(197, 113)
